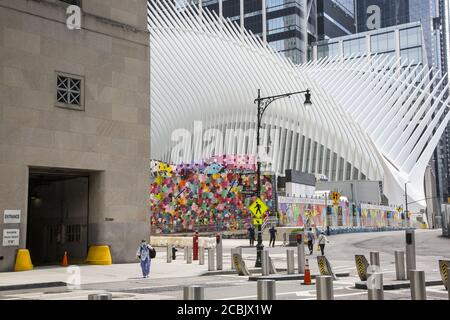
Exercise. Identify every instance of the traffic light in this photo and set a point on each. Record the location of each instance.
(299, 238)
(218, 238)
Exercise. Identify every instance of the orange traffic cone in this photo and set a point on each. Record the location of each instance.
(307, 276)
(64, 262)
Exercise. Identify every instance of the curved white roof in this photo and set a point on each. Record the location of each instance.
(372, 117)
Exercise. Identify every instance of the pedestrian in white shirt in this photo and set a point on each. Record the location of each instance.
(322, 240)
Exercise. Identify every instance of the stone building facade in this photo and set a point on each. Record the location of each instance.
(74, 128)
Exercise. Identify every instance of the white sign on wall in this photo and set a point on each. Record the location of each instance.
(12, 216)
(11, 237)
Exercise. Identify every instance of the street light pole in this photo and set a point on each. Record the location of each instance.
(406, 203)
(259, 246)
(263, 104)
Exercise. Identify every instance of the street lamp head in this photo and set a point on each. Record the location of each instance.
(308, 102)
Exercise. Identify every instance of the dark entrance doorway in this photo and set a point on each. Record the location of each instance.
(58, 210)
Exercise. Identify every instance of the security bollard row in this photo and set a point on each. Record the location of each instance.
(266, 290)
(194, 293)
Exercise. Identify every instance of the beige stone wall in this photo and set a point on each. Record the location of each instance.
(110, 137)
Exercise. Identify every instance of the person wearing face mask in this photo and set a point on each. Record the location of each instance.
(145, 254)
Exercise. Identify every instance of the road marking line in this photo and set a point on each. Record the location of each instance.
(340, 295)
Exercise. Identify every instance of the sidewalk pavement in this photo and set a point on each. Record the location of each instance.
(102, 274)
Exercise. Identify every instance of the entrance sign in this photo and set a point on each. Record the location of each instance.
(11, 237)
(11, 216)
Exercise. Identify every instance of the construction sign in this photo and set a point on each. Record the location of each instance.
(336, 197)
(258, 208)
(361, 265)
(443, 267)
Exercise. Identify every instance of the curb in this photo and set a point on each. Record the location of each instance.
(288, 277)
(234, 272)
(399, 285)
(33, 286)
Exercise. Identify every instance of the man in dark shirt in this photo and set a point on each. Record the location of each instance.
(273, 234)
(251, 236)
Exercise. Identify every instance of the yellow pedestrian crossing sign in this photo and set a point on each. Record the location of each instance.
(258, 208)
(336, 197)
(257, 222)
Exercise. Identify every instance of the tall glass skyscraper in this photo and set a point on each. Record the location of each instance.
(289, 26)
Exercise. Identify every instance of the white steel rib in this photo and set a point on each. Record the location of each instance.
(373, 117)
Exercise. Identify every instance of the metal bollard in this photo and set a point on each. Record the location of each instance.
(201, 256)
(410, 252)
(169, 253)
(185, 253)
(324, 288)
(266, 290)
(211, 260)
(375, 287)
(400, 265)
(301, 258)
(290, 261)
(219, 252)
(418, 288)
(189, 254)
(375, 258)
(265, 265)
(194, 293)
(100, 296)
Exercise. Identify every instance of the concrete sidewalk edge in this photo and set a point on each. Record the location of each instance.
(399, 285)
(33, 286)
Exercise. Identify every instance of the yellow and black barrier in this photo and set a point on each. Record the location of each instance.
(361, 266)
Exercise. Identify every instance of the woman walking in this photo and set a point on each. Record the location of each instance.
(322, 240)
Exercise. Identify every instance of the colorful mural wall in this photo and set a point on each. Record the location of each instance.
(211, 196)
(304, 212)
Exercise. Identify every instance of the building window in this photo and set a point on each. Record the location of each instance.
(69, 91)
(355, 46)
(384, 42)
(410, 38)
